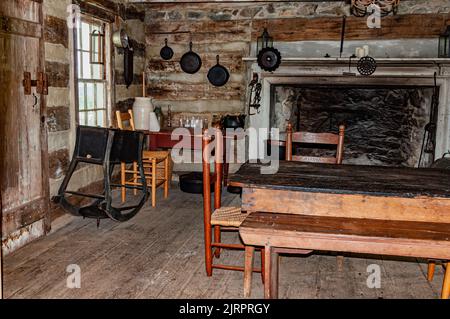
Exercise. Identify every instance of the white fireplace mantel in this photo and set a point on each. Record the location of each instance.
(334, 71)
(336, 60)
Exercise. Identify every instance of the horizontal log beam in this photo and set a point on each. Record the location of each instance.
(56, 31)
(23, 216)
(58, 74)
(329, 28)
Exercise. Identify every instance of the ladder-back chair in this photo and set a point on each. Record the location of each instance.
(221, 218)
(315, 138)
(156, 164)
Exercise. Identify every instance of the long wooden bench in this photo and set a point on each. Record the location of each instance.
(276, 231)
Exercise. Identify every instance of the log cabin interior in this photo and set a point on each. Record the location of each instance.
(225, 149)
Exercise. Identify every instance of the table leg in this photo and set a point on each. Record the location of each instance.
(446, 286)
(225, 174)
(248, 270)
(270, 273)
(431, 268)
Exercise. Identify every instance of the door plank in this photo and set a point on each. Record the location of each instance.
(23, 148)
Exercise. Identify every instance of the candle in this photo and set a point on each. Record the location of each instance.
(366, 50)
(143, 84)
(359, 52)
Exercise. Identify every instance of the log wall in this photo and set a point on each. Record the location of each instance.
(60, 102)
(230, 29)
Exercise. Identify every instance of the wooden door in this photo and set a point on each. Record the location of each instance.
(23, 147)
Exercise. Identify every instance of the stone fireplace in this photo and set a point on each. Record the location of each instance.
(384, 126)
(385, 114)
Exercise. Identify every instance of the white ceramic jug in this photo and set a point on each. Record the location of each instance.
(154, 123)
(142, 108)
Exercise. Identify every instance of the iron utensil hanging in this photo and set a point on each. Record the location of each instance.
(190, 61)
(254, 95)
(120, 39)
(342, 36)
(269, 59)
(166, 52)
(218, 75)
(366, 65)
(128, 56)
(429, 133)
(350, 73)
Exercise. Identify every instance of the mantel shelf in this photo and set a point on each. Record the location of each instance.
(343, 61)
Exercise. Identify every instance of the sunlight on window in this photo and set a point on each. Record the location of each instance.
(91, 78)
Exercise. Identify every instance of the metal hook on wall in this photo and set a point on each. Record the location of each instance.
(35, 100)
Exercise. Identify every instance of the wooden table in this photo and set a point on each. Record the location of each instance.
(189, 139)
(163, 139)
(387, 196)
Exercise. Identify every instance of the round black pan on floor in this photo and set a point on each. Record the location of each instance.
(193, 183)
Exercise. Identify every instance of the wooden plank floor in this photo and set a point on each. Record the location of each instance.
(159, 254)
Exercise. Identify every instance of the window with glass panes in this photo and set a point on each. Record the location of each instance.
(91, 78)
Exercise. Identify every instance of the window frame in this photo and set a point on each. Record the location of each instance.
(106, 77)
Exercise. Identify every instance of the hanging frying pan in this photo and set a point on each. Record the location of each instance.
(218, 75)
(269, 59)
(190, 61)
(166, 52)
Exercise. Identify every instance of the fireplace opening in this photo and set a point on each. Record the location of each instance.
(384, 125)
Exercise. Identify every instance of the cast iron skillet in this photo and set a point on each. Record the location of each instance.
(166, 52)
(190, 61)
(218, 75)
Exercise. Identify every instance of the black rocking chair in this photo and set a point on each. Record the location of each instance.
(106, 147)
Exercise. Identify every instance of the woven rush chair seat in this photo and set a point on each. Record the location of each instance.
(160, 155)
(228, 217)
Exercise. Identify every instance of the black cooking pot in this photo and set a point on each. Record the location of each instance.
(193, 183)
(218, 75)
(166, 52)
(190, 61)
(233, 121)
